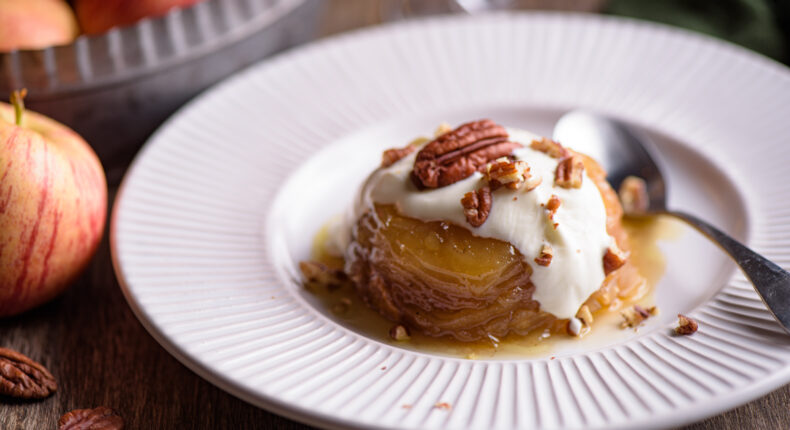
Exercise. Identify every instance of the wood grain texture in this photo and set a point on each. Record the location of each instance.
(102, 356)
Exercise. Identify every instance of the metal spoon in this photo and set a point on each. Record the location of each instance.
(624, 152)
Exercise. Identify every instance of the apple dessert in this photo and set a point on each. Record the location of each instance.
(484, 232)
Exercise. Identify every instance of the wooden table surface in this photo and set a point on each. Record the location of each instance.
(101, 355)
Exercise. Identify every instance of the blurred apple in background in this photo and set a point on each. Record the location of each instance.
(34, 24)
(53, 203)
(98, 16)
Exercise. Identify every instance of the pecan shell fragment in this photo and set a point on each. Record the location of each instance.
(459, 153)
(477, 206)
(23, 378)
(101, 418)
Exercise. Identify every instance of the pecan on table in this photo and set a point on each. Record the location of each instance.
(459, 153)
(101, 418)
(23, 378)
(477, 206)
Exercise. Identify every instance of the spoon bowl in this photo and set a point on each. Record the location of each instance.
(624, 151)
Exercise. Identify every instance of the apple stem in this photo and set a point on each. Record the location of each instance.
(18, 101)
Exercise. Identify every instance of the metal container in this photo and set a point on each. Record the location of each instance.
(116, 88)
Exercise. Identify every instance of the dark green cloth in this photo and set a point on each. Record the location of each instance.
(761, 25)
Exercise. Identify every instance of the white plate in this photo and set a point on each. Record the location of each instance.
(224, 200)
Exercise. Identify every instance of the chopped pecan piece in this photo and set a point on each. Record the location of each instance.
(393, 155)
(569, 172)
(551, 206)
(633, 317)
(101, 418)
(686, 326)
(509, 173)
(477, 206)
(613, 259)
(546, 253)
(23, 378)
(457, 154)
(532, 182)
(633, 195)
(549, 147)
(318, 275)
(399, 333)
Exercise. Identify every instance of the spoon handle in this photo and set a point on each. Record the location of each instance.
(771, 281)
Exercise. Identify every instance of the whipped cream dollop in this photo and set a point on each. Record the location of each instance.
(579, 240)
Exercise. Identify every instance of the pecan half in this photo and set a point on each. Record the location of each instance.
(509, 173)
(549, 147)
(546, 254)
(23, 378)
(477, 206)
(613, 259)
(457, 154)
(101, 418)
(569, 172)
(686, 326)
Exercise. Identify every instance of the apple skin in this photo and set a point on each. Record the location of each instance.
(53, 205)
(35, 24)
(98, 16)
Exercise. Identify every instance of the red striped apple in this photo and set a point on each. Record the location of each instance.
(53, 203)
(35, 24)
(98, 16)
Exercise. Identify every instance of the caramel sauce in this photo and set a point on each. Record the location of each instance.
(644, 235)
